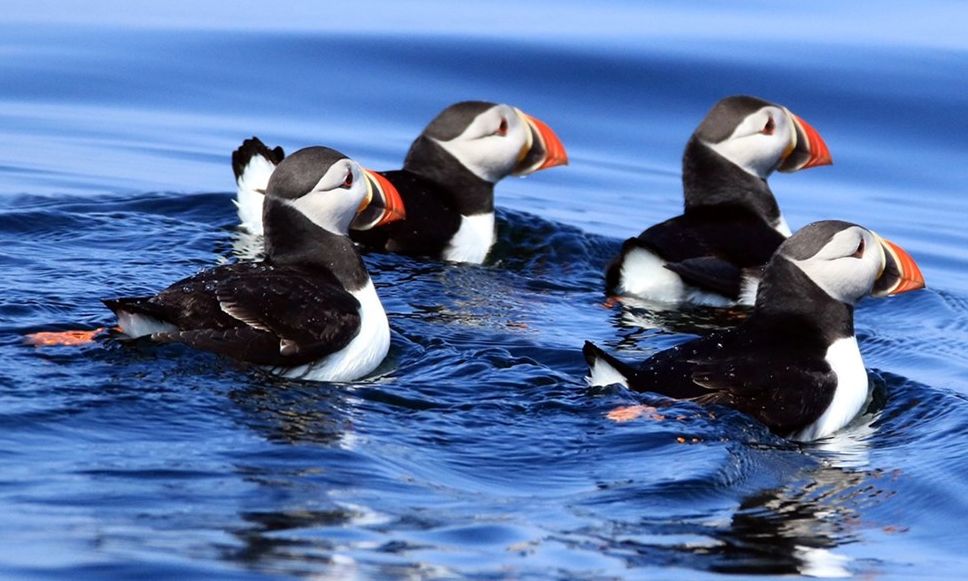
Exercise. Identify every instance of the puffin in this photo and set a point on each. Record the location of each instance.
(713, 253)
(794, 364)
(445, 189)
(309, 310)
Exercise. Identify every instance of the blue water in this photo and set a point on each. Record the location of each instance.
(478, 451)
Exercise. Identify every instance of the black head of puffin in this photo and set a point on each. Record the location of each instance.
(495, 140)
(849, 262)
(325, 186)
(762, 137)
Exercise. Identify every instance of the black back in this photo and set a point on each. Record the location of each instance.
(732, 236)
(255, 312)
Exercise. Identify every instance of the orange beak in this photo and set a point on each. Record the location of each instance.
(544, 149)
(901, 274)
(809, 149)
(382, 205)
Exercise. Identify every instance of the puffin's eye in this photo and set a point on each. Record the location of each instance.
(769, 127)
(502, 129)
(859, 253)
(348, 180)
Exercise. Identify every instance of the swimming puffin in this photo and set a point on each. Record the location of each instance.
(794, 363)
(309, 310)
(714, 252)
(446, 185)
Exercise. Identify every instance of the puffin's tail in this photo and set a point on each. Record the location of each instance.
(253, 163)
(603, 369)
(138, 317)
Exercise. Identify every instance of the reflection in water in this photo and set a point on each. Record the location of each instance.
(297, 534)
(693, 320)
(792, 529)
(291, 412)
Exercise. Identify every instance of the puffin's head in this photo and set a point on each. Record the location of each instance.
(849, 262)
(332, 191)
(494, 141)
(761, 137)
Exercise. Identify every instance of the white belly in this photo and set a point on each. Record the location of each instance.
(361, 356)
(852, 390)
(473, 239)
(645, 276)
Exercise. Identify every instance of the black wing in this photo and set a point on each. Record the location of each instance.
(710, 247)
(257, 312)
(710, 272)
(784, 395)
(728, 232)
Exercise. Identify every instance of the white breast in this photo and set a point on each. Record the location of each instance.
(645, 276)
(844, 358)
(363, 354)
(251, 191)
(473, 239)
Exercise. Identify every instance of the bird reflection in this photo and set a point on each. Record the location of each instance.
(636, 313)
(294, 412)
(795, 528)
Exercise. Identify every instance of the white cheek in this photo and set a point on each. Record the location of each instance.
(845, 279)
(490, 158)
(757, 154)
(333, 211)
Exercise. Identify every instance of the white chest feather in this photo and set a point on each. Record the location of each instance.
(473, 239)
(844, 359)
(251, 191)
(362, 355)
(645, 276)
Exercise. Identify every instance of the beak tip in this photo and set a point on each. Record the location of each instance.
(387, 198)
(810, 148)
(909, 274)
(554, 150)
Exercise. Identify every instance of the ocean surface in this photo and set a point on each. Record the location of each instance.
(477, 450)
